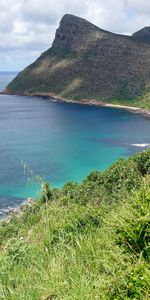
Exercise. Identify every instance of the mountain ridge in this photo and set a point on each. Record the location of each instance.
(143, 34)
(87, 62)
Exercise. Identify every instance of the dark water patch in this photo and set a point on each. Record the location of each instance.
(120, 142)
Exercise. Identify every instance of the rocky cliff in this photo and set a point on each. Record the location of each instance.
(86, 62)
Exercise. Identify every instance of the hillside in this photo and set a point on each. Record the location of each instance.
(86, 62)
(86, 241)
(143, 34)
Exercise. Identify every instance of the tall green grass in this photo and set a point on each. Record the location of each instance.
(86, 241)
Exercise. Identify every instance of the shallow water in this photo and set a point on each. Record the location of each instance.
(60, 142)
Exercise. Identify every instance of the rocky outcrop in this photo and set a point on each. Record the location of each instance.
(75, 33)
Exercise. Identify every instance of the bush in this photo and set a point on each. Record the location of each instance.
(143, 162)
(124, 174)
(46, 192)
(17, 251)
(133, 232)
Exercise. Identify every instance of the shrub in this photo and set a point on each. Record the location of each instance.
(46, 192)
(143, 161)
(124, 174)
(133, 232)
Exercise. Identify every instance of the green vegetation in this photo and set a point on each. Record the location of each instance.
(142, 101)
(85, 241)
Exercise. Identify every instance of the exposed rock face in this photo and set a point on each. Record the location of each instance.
(86, 62)
(75, 33)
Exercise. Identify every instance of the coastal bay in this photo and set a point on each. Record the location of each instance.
(55, 140)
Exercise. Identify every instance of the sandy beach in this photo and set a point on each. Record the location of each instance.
(94, 102)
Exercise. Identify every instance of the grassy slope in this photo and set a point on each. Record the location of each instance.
(87, 241)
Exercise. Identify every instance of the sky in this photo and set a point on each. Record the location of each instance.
(27, 27)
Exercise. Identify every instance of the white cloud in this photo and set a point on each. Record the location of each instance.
(140, 6)
(110, 15)
(27, 27)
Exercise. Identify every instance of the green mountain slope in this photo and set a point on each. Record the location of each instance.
(86, 241)
(86, 62)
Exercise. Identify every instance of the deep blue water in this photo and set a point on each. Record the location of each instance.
(60, 142)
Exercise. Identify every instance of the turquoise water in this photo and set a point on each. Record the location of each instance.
(60, 142)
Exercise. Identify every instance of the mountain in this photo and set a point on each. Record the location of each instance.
(86, 62)
(143, 35)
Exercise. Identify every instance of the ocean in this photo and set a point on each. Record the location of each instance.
(59, 142)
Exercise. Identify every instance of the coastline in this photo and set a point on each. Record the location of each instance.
(17, 210)
(92, 102)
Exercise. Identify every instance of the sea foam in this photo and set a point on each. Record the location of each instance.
(143, 145)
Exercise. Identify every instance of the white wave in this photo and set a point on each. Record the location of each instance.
(144, 145)
(5, 210)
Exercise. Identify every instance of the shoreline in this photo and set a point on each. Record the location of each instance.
(92, 102)
(17, 210)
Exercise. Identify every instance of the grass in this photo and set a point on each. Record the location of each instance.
(86, 241)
